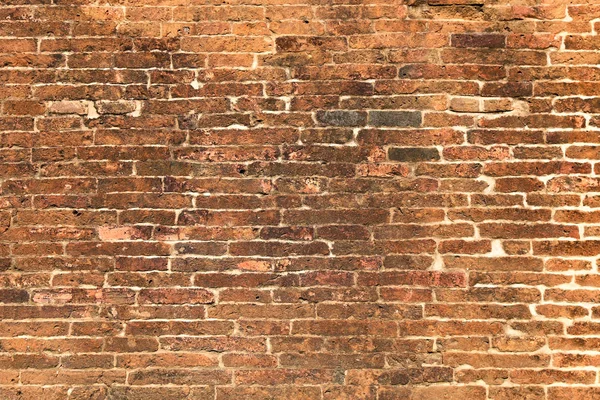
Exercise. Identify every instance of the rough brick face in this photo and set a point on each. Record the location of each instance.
(299, 200)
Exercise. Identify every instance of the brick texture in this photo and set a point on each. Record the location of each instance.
(299, 199)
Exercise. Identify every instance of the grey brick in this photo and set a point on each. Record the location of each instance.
(395, 118)
(342, 118)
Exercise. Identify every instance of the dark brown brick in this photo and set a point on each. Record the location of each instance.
(413, 154)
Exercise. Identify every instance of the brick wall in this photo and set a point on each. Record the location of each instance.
(299, 199)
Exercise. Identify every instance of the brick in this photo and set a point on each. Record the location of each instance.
(422, 393)
(300, 393)
(478, 40)
(303, 43)
(142, 392)
(181, 376)
(341, 118)
(525, 392)
(395, 118)
(511, 89)
(176, 296)
(413, 154)
(573, 393)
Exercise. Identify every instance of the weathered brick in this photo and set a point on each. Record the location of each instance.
(341, 118)
(395, 118)
(479, 40)
(414, 154)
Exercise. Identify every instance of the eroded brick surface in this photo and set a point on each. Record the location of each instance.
(350, 199)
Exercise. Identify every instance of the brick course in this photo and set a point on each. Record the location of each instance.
(349, 199)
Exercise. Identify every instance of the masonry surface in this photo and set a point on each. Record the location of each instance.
(299, 199)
